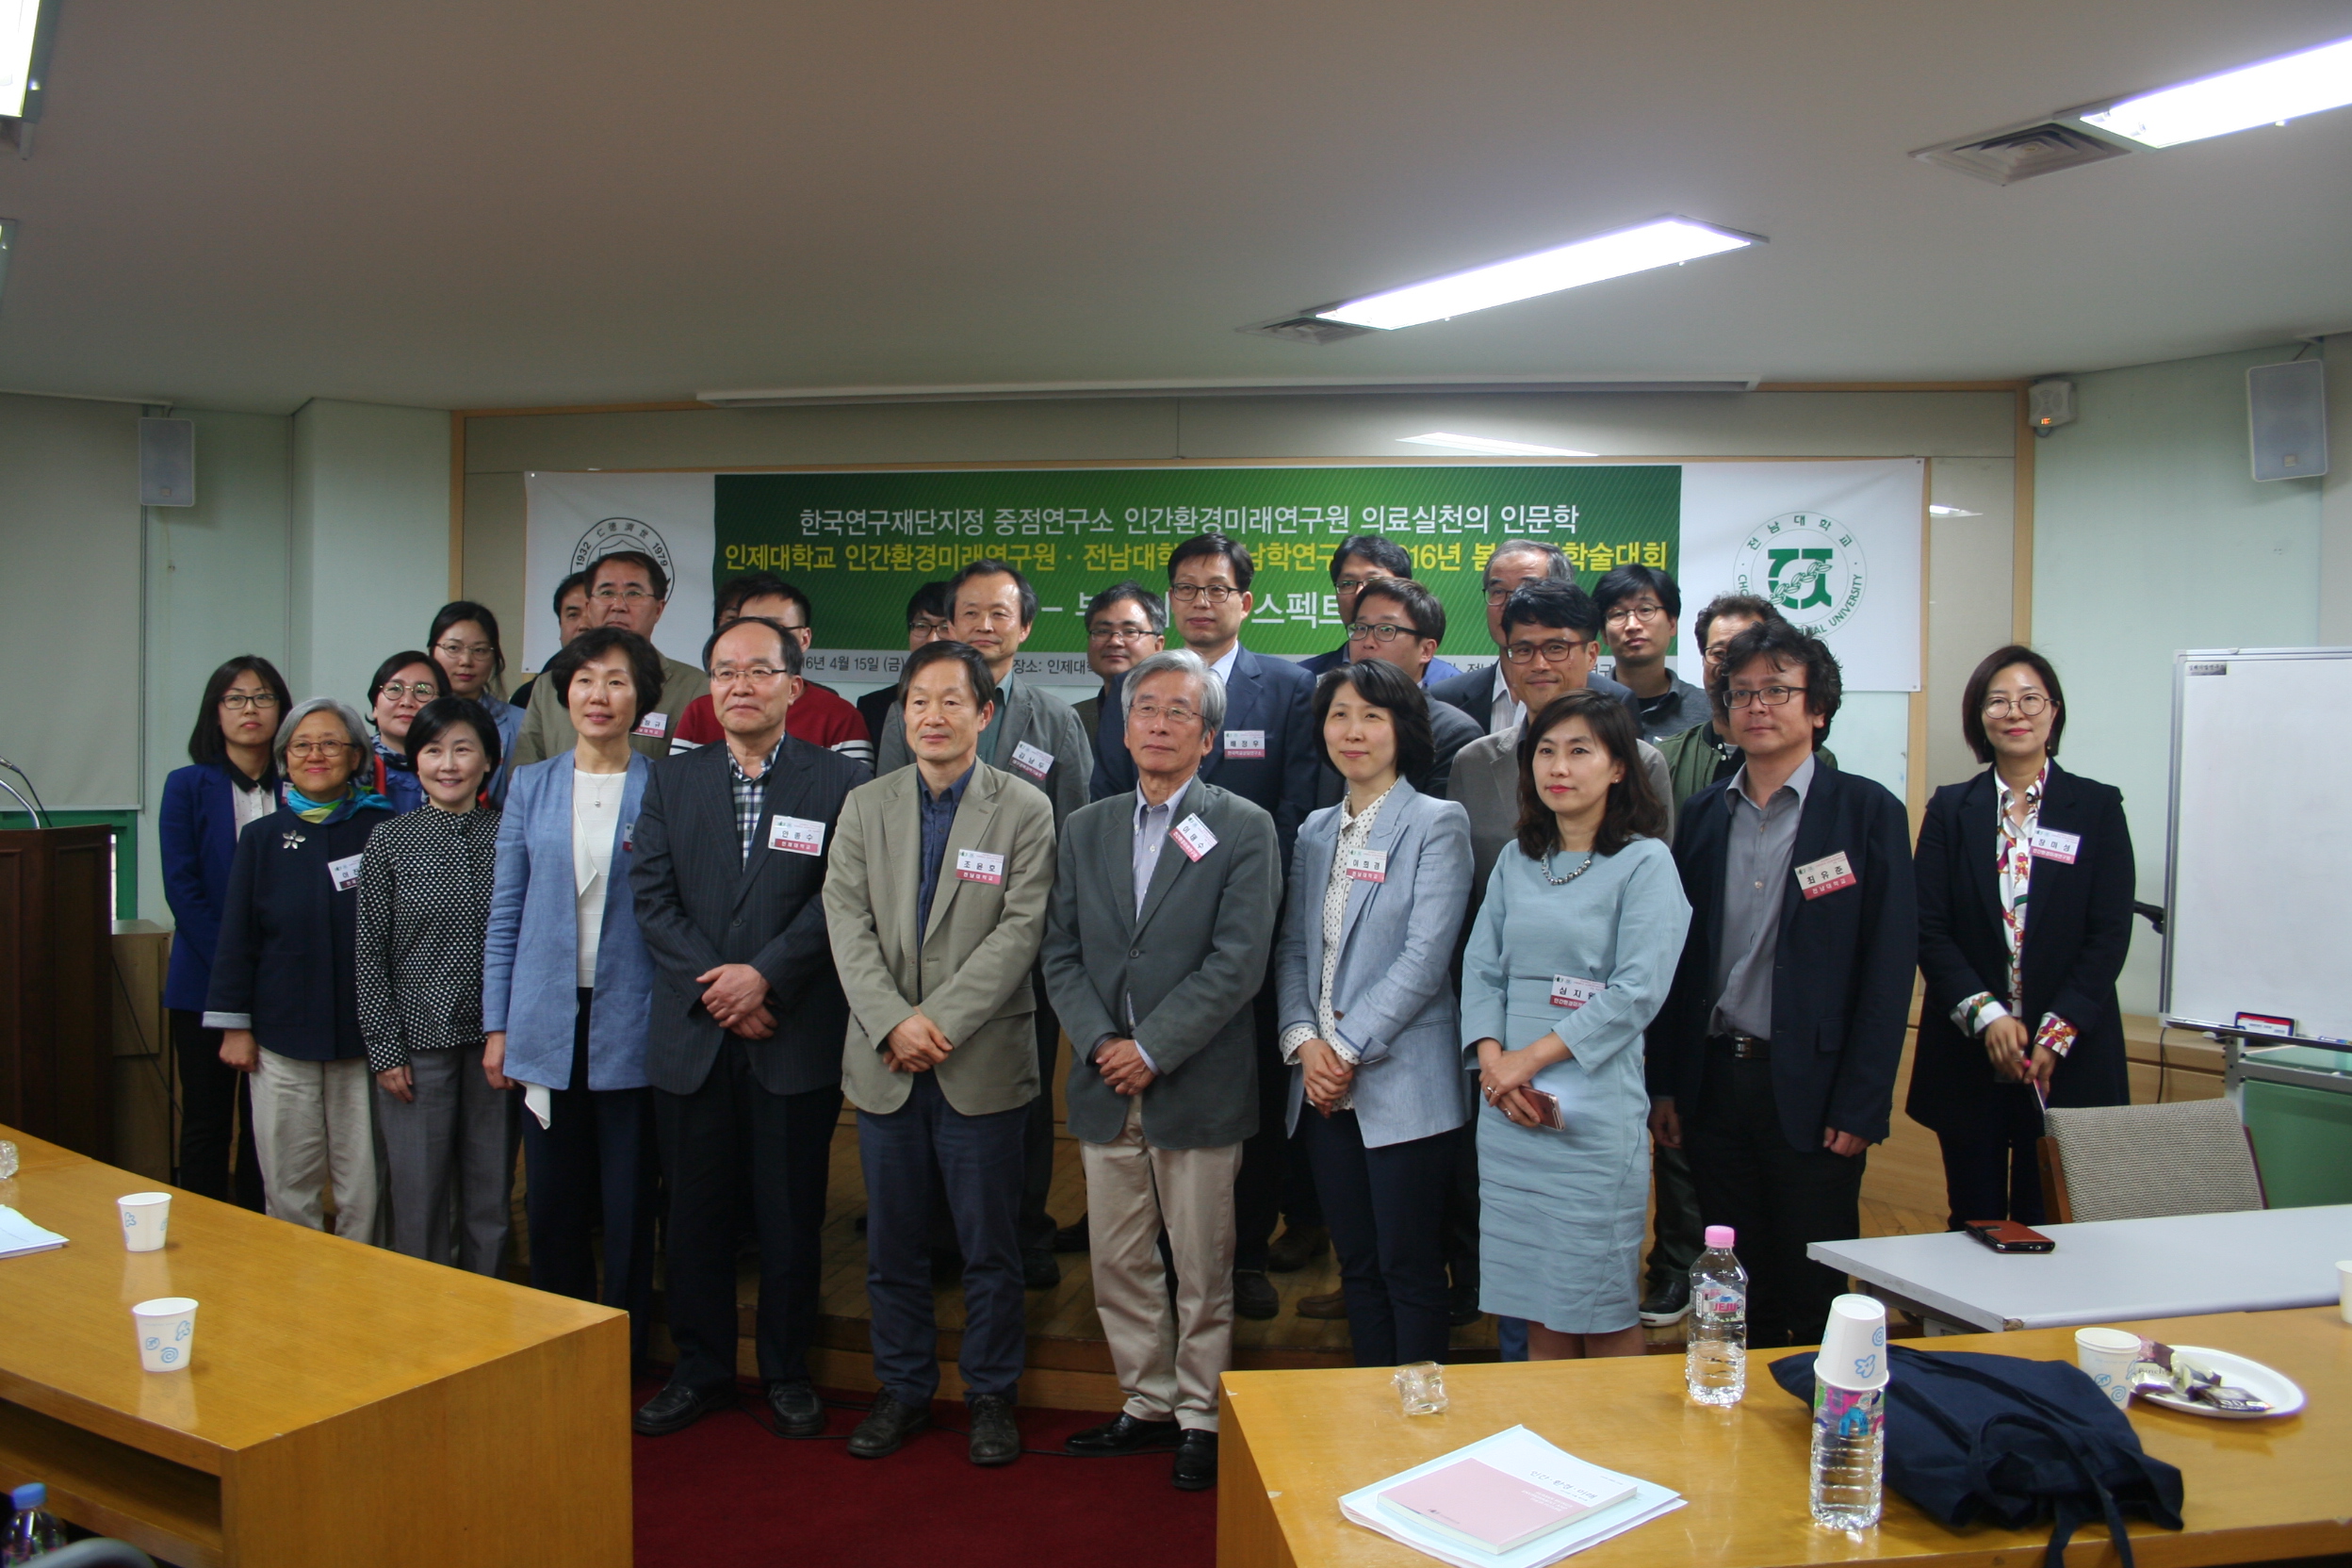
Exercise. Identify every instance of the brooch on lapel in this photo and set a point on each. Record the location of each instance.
(293, 839)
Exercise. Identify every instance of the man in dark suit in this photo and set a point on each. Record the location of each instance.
(1399, 622)
(1359, 558)
(1773, 1062)
(930, 618)
(743, 1041)
(1485, 694)
(1266, 752)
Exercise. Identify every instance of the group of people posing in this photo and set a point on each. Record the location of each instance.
(1439, 969)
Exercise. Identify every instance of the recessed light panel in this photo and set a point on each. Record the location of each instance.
(1663, 244)
(1489, 444)
(2275, 90)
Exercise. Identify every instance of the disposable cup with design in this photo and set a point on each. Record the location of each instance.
(1853, 1343)
(167, 1333)
(2105, 1356)
(146, 1220)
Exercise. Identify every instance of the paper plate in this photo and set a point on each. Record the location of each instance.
(2237, 1372)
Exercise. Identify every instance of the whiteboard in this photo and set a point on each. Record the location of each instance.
(2260, 845)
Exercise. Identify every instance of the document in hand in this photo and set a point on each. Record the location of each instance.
(1510, 1501)
(20, 1235)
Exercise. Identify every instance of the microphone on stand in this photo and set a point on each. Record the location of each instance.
(19, 773)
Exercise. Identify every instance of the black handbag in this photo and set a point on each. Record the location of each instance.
(2011, 1441)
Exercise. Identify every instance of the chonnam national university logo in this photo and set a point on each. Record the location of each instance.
(1808, 565)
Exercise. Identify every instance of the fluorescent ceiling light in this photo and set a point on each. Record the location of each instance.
(2275, 90)
(1663, 244)
(21, 40)
(1488, 444)
(1951, 512)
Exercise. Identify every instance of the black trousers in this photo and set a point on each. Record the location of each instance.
(215, 1106)
(1036, 1225)
(1679, 1237)
(593, 1161)
(1386, 1208)
(1993, 1178)
(785, 1140)
(1775, 1197)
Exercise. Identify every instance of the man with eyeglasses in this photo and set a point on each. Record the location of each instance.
(1705, 754)
(821, 716)
(929, 619)
(1774, 1061)
(627, 589)
(1399, 622)
(1641, 607)
(571, 619)
(1125, 621)
(1485, 694)
(1361, 559)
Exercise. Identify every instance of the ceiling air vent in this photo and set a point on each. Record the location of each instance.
(2008, 157)
(1306, 327)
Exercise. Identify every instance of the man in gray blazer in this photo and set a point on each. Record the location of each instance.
(743, 1037)
(935, 904)
(1036, 737)
(1164, 908)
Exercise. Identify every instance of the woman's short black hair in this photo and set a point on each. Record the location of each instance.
(645, 665)
(397, 663)
(444, 714)
(1782, 644)
(983, 681)
(1224, 547)
(1634, 810)
(1972, 699)
(1384, 685)
(207, 743)
(460, 610)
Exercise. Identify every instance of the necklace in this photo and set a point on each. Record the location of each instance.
(1564, 881)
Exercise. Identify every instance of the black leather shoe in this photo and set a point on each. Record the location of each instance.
(798, 1411)
(995, 1436)
(1124, 1435)
(1253, 1295)
(678, 1407)
(1668, 1302)
(1297, 1246)
(1073, 1238)
(1038, 1271)
(1196, 1462)
(889, 1423)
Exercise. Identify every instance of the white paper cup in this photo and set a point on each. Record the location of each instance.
(146, 1220)
(167, 1333)
(1853, 1343)
(2344, 1288)
(2105, 1356)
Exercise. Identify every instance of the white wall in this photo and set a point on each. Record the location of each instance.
(2151, 535)
(371, 541)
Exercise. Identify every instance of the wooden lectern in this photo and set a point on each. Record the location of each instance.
(57, 986)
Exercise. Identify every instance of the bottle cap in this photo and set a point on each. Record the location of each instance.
(31, 1494)
(1719, 1238)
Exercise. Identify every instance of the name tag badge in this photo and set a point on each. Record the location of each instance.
(1034, 762)
(1245, 742)
(1365, 865)
(1193, 837)
(2047, 843)
(796, 835)
(1821, 877)
(652, 725)
(1572, 992)
(679, 745)
(345, 872)
(628, 838)
(975, 865)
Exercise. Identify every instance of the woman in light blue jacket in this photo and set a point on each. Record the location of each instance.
(1377, 885)
(1570, 959)
(567, 986)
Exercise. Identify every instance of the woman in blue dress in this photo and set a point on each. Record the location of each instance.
(1571, 957)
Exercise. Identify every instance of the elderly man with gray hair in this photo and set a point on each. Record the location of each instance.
(1164, 911)
(285, 978)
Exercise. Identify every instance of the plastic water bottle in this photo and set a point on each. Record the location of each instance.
(1848, 1455)
(1715, 1364)
(32, 1530)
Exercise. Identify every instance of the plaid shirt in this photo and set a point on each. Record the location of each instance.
(747, 793)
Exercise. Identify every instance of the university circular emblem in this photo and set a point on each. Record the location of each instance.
(610, 534)
(1808, 565)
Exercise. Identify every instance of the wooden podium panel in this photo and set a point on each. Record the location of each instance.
(57, 986)
(342, 1405)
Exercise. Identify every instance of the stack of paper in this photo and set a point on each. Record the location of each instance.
(1510, 1501)
(20, 1235)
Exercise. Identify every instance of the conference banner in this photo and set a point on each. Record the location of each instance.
(861, 543)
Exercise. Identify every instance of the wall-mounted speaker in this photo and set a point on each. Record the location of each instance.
(166, 462)
(2286, 417)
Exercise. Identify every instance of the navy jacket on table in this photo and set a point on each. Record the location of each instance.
(1272, 697)
(2077, 929)
(198, 842)
(286, 966)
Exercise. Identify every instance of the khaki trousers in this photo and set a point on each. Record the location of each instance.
(314, 1124)
(1167, 1360)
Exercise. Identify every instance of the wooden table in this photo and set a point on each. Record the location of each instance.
(1293, 1442)
(344, 1405)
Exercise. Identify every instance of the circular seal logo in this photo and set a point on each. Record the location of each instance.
(609, 534)
(1808, 565)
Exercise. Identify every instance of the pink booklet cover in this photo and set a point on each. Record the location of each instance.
(1486, 1507)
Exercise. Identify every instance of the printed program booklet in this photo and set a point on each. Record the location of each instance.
(1511, 1501)
(20, 1235)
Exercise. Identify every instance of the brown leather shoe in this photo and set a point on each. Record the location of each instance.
(1331, 1308)
(1296, 1248)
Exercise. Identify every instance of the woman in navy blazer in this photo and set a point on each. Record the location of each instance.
(1377, 887)
(567, 986)
(231, 781)
(2020, 990)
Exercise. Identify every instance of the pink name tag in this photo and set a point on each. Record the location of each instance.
(1193, 837)
(1033, 760)
(975, 865)
(1365, 865)
(1570, 992)
(2047, 843)
(652, 725)
(1245, 742)
(1821, 877)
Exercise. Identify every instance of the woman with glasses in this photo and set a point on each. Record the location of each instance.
(231, 782)
(402, 687)
(2025, 878)
(464, 642)
(567, 985)
(285, 980)
(424, 903)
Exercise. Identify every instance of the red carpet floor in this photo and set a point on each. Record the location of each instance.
(728, 1491)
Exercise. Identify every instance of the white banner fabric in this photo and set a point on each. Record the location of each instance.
(572, 519)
